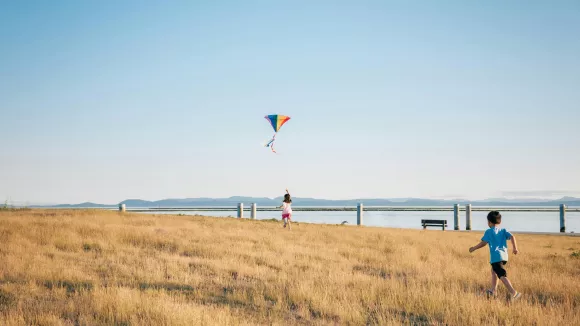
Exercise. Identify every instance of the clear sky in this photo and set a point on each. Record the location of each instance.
(107, 100)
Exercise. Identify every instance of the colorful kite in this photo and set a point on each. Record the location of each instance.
(277, 121)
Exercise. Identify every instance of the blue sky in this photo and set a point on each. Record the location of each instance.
(107, 100)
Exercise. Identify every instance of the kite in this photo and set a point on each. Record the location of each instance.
(277, 121)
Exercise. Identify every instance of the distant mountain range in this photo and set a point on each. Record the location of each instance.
(312, 202)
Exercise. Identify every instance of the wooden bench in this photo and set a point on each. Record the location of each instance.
(441, 223)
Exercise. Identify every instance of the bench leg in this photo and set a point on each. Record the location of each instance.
(443, 227)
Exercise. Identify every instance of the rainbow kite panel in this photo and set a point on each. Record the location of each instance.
(277, 120)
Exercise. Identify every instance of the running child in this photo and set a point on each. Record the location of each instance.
(496, 238)
(287, 209)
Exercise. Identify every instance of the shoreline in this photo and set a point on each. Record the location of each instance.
(568, 234)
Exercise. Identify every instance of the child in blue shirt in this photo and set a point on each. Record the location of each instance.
(496, 238)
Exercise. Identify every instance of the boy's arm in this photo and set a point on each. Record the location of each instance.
(515, 245)
(478, 246)
(287, 191)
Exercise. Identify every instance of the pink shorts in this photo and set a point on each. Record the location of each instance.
(288, 216)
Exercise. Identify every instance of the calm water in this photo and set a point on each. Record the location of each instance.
(514, 221)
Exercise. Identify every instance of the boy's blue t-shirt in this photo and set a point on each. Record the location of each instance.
(497, 238)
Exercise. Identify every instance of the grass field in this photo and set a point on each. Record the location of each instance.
(68, 267)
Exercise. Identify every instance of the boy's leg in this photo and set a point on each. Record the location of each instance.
(493, 282)
(284, 219)
(289, 225)
(508, 285)
(499, 269)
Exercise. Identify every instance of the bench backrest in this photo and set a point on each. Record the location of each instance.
(439, 222)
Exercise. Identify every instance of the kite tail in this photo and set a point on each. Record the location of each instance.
(271, 143)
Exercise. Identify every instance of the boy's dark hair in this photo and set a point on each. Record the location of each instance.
(494, 217)
(287, 198)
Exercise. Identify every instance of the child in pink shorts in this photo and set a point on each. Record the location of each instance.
(287, 210)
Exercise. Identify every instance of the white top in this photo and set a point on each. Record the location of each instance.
(287, 209)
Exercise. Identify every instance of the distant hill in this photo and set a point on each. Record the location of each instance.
(82, 205)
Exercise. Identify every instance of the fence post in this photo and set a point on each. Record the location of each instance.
(359, 214)
(562, 218)
(456, 217)
(241, 210)
(468, 217)
(254, 209)
(122, 208)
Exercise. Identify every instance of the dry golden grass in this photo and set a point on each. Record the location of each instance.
(100, 268)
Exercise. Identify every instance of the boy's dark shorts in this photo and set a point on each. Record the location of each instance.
(499, 268)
